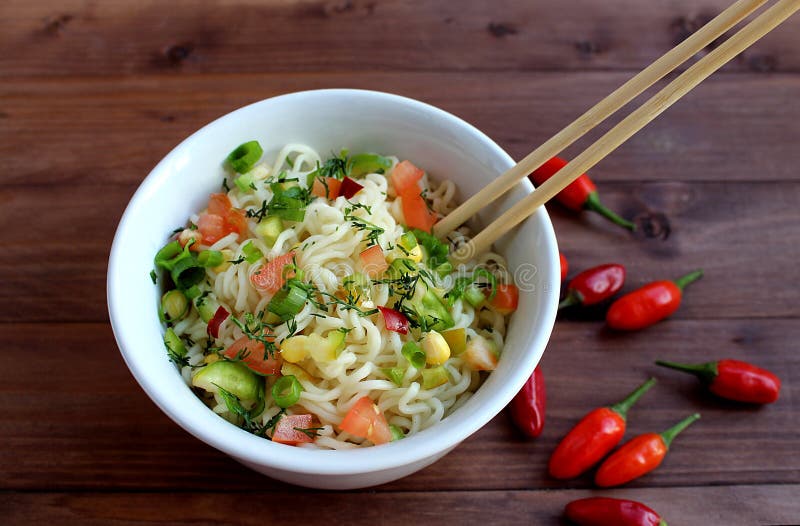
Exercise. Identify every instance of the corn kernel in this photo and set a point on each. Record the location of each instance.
(294, 349)
(415, 254)
(436, 349)
(211, 358)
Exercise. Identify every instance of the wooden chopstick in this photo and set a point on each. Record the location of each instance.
(634, 122)
(598, 113)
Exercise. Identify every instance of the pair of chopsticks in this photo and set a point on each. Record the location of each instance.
(634, 122)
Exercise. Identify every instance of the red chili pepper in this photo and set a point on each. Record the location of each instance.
(638, 456)
(213, 324)
(394, 320)
(581, 194)
(605, 511)
(734, 380)
(593, 437)
(349, 188)
(594, 285)
(564, 266)
(527, 407)
(652, 303)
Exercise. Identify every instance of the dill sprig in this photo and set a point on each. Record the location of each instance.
(372, 230)
(257, 330)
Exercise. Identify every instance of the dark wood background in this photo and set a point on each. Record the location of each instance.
(93, 94)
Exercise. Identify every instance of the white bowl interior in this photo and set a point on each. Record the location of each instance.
(327, 120)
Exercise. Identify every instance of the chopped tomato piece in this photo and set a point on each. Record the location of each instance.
(318, 189)
(211, 227)
(220, 219)
(252, 355)
(480, 354)
(350, 188)
(286, 430)
(365, 420)
(270, 278)
(415, 210)
(394, 320)
(506, 300)
(405, 177)
(219, 204)
(236, 221)
(213, 324)
(373, 262)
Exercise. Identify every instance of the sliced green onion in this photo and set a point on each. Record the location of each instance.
(490, 277)
(395, 374)
(245, 182)
(206, 305)
(434, 377)
(474, 296)
(193, 292)
(433, 307)
(408, 241)
(287, 302)
(210, 258)
(286, 391)
(414, 355)
(251, 252)
(397, 433)
(174, 305)
(187, 272)
(289, 214)
(245, 156)
(367, 163)
(445, 269)
(269, 229)
(175, 346)
(167, 253)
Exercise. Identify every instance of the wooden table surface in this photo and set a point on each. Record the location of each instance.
(93, 94)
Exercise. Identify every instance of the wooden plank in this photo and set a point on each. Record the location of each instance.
(55, 268)
(733, 506)
(734, 127)
(232, 36)
(83, 423)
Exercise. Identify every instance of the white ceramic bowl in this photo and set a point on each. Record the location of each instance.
(328, 120)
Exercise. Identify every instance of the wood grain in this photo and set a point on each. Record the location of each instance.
(75, 405)
(733, 506)
(235, 36)
(734, 127)
(94, 94)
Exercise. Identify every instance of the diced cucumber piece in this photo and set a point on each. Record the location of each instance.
(367, 163)
(434, 377)
(269, 229)
(234, 377)
(174, 344)
(206, 305)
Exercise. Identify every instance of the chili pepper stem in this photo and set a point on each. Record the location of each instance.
(705, 371)
(669, 435)
(688, 278)
(593, 203)
(622, 407)
(572, 298)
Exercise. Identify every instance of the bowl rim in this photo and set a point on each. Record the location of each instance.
(243, 445)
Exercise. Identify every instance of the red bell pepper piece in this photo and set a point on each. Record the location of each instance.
(394, 320)
(734, 380)
(213, 324)
(349, 188)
